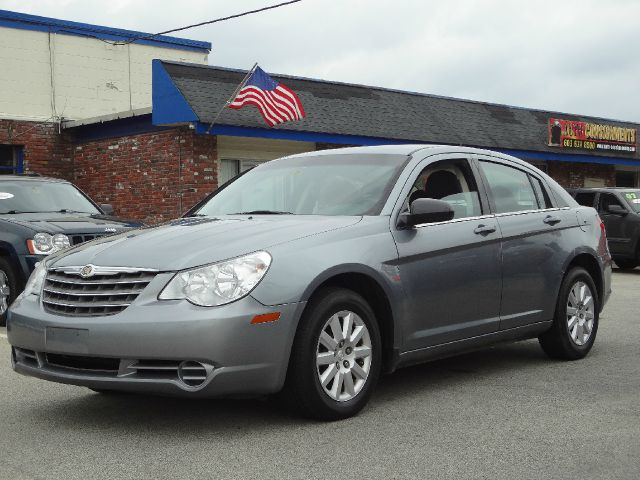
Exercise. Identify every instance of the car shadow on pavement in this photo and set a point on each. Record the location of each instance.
(633, 271)
(142, 414)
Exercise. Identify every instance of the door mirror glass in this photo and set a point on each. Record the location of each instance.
(107, 208)
(616, 209)
(426, 210)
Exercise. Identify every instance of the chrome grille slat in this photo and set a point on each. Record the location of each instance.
(108, 280)
(82, 304)
(90, 293)
(68, 293)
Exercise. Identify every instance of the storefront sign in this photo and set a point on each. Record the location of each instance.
(591, 136)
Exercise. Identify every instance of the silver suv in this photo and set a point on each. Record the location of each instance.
(315, 273)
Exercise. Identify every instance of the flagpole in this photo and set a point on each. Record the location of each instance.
(233, 96)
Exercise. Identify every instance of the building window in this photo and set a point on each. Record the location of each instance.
(231, 168)
(592, 182)
(10, 160)
(625, 179)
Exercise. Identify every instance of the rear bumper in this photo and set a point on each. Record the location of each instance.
(607, 272)
(239, 358)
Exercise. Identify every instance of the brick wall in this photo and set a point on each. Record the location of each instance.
(572, 175)
(151, 177)
(45, 150)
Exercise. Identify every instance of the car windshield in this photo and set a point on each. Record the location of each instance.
(345, 184)
(633, 199)
(33, 196)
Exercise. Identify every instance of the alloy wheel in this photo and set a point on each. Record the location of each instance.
(343, 356)
(5, 292)
(580, 313)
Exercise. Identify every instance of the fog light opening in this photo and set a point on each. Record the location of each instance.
(192, 374)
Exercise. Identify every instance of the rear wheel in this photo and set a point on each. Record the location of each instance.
(576, 319)
(8, 289)
(336, 357)
(626, 264)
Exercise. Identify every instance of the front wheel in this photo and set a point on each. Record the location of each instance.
(336, 357)
(575, 324)
(8, 289)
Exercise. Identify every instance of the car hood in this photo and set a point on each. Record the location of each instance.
(70, 223)
(191, 242)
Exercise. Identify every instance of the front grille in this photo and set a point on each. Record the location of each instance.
(90, 364)
(101, 294)
(81, 238)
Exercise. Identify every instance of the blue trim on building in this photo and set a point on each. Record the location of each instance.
(233, 131)
(168, 104)
(45, 24)
(201, 128)
(121, 127)
(565, 157)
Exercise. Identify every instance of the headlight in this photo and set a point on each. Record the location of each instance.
(45, 244)
(219, 283)
(34, 284)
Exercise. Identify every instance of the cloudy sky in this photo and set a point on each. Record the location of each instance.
(575, 56)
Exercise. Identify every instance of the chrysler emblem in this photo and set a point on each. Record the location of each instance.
(110, 230)
(86, 271)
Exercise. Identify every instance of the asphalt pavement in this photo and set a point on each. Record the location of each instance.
(503, 413)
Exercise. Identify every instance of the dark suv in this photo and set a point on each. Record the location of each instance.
(619, 208)
(40, 216)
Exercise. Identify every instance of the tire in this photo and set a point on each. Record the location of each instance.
(8, 289)
(571, 336)
(626, 264)
(344, 367)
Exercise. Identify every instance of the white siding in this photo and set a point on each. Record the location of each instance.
(245, 148)
(90, 77)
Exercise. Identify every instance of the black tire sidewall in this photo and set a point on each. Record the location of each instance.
(13, 285)
(313, 398)
(573, 350)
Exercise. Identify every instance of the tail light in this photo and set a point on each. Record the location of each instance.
(603, 229)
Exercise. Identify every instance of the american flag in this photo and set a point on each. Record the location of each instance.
(276, 102)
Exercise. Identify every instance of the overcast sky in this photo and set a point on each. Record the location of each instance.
(578, 56)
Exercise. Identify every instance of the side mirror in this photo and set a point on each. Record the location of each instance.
(616, 209)
(107, 208)
(426, 210)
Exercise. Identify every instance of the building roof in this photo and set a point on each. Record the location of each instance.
(33, 22)
(364, 111)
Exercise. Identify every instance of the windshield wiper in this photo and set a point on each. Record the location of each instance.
(15, 212)
(263, 212)
(68, 210)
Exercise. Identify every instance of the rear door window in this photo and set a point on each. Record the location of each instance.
(510, 188)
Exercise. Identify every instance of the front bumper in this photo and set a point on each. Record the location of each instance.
(115, 352)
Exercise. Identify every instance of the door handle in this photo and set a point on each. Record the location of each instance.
(484, 229)
(551, 220)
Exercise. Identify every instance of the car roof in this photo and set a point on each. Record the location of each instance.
(409, 149)
(31, 178)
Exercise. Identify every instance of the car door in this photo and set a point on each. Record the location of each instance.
(619, 241)
(533, 243)
(450, 270)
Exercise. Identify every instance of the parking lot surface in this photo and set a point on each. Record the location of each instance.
(503, 413)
